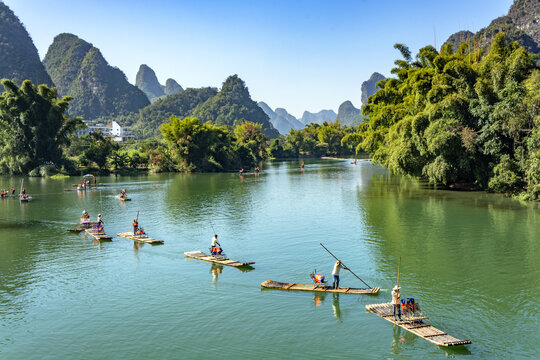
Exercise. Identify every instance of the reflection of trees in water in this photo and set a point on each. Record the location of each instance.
(205, 197)
(449, 233)
(18, 260)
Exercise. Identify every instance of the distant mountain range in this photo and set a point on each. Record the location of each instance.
(147, 81)
(521, 24)
(281, 119)
(99, 90)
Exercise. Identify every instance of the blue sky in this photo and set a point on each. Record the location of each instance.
(296, 54)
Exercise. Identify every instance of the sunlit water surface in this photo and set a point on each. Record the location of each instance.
(471, 260)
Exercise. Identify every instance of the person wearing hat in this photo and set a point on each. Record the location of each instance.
(396, 303)
(100, 220)
(85, 214)
(335, 273)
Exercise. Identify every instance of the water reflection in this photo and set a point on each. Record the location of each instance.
(318, 298)
(215, 270)
(336, 307)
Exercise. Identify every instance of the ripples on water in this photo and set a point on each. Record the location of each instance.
(470, 260)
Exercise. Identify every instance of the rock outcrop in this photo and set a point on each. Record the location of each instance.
(348, 115)
(19, 58)
(521, 24)
(369, 87)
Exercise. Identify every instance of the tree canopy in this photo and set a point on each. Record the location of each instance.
(33, 127)
(459, 117)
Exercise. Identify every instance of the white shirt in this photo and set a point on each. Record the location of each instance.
(214, 241)
(337, 267)
(395, 297)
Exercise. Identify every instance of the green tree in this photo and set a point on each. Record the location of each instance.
(33, 127)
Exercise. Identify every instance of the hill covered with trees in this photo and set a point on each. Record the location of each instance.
(180, 105)
(79, 70)
(19, 59)
(232, 106)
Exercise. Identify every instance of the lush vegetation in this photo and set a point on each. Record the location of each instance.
(197, 146)
(233, 105)
(180, 104)
(33, 128)
(460, 118)
(328, 139)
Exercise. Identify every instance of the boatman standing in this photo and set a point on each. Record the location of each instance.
(335, 273)
(100, 220)
(396, 302)
(216, 247)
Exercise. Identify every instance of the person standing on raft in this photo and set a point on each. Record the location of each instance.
(135, 226)
(335, 273)
(216, 247)
(396, 303)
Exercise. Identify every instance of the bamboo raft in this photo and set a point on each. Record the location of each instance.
(270, 284)
(218, 259)
(123, 198)
(142, 238)
(83, 226)
(416, 325)
(101, 236)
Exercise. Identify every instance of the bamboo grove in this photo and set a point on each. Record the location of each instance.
(460, 118)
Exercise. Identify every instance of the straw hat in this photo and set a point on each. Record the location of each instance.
(396, 287)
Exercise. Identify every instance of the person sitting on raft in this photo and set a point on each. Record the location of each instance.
(216, 247)
(335, 273)
(85, 215)
(396, 302)
(123, 193)
(317, 278)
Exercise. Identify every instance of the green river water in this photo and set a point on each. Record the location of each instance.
(471, 260)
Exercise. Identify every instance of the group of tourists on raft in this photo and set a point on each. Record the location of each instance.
(319, 279)
(86, 183)
(136, 229)
(256, 171)
(85, 220)
(5, 192)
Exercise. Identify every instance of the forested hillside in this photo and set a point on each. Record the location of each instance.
(233, 105)
(79, 70)
(19, 59)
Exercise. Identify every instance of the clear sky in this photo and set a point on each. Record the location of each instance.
(296, 54)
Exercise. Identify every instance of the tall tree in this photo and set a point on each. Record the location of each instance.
(33, 127)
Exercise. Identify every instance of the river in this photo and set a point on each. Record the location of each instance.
(471, 260)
